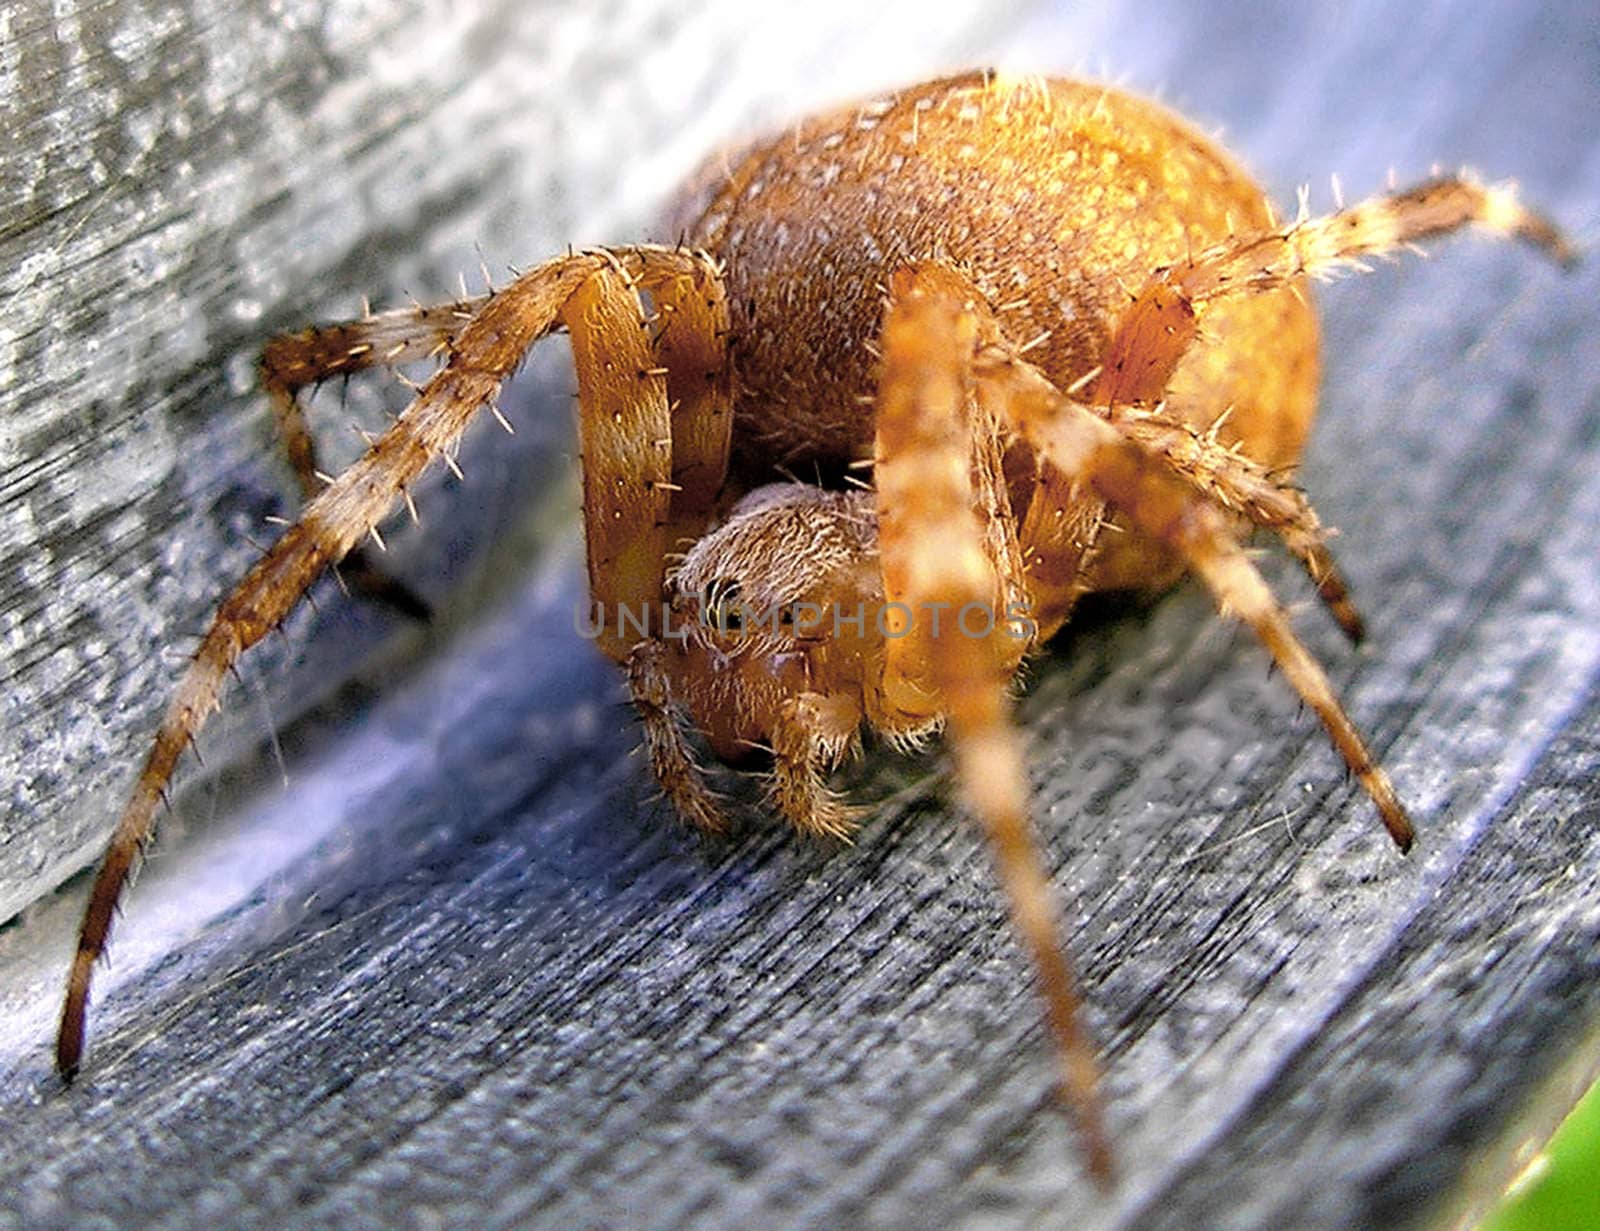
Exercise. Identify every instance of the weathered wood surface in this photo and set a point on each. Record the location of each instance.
(464, 970)
(176, 183)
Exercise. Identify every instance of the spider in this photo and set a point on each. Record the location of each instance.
(1066, 334)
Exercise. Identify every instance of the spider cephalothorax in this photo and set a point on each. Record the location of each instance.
(772, 594)
(1065, 332)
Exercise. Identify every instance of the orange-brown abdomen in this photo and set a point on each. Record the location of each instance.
(1057, 199)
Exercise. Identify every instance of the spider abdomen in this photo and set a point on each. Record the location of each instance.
(1057, 199)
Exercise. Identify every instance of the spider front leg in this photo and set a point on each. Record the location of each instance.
(656, 417)
(593, 295)
(923, 471)
(655, 426)
(1073, 439)
(1165, 477)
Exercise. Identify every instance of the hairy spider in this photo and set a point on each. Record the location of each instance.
(1065, 331)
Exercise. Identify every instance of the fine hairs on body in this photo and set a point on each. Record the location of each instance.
(1046, 338)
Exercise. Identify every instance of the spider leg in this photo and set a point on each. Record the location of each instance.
(1059, 532)
(653, 470)
(671, 760)
(625, 443)
(925, 496)
(691, 344)
(811, 736)
(1243, 486)
(292, 361)
(639, 498)
(1063, 521)
(988, 437)
(1156, 329)
(583, 292)
(1075, 440)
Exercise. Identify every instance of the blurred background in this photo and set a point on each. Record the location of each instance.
(180, 180)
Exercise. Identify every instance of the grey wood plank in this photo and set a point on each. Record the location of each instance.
(464, 970)
(179, 182)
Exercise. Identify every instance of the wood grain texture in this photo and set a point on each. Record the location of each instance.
(464, 970)
(178, 181)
